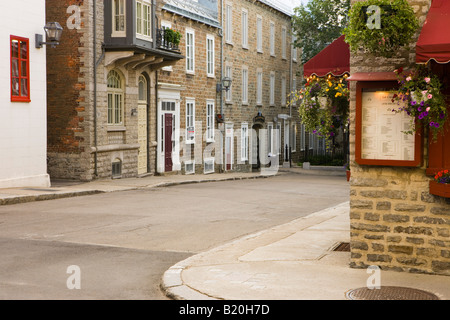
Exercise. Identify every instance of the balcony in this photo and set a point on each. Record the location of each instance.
(168, 39)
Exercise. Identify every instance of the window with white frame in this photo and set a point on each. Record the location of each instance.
(283, 91)
(259, 36)
(244, 142)
(272, 89)
(189, 167)
(259, 84)
(229, 74)
(311, 140)
(144, 19)
(115, 94)
(190, 51)
(278, 140)
(244, 85)
(294, 137)
(166, 25)
(272, 38)
(209, 165)
(119, 19)
(244, 28)
(210, 121)
(270, 136)
(283, 42)
(190, 121)
(302, 137)
(294, 48)
(228, 23)
(210, 55)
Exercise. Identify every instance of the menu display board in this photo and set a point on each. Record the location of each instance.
(380, 131)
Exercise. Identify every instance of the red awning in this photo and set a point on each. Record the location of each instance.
(334, 60)
(434, 40)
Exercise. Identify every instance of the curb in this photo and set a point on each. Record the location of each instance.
(11, 200)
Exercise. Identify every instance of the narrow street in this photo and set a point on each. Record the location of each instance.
(123, 242)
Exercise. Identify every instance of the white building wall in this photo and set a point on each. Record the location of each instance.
(23, 126)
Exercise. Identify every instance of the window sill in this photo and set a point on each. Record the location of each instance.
(24, 100)
(112, 128)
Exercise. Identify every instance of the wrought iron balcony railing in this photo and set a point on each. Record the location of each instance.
(165, 40)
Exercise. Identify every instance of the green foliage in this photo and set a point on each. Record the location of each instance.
(172, 36)
(319, 23)
(398, 26)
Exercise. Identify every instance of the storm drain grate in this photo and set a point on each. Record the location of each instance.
(343, 247)
(390, 293)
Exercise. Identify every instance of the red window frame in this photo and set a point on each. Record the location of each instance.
(20, 69)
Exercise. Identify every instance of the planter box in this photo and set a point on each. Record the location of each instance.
(440, 189)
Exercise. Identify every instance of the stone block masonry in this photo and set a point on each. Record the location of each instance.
(395, 222)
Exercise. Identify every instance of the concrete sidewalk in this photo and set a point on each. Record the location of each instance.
(294, 261)
(65, 189)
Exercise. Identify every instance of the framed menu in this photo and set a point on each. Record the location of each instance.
(380, 137)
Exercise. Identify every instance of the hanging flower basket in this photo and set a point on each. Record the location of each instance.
(395, 28)
(324, 105)
(419, 95)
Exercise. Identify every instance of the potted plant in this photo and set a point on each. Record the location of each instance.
(419, 95)
(397, 26)
(172, 36)
(440, 185)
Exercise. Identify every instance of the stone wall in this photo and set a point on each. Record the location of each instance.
(395, 222)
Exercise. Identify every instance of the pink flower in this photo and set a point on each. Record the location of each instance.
(430, 96)
(408, 79)
(427, 80)
(424, 92)
(428, 109)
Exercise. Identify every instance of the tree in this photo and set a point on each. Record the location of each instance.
(319, 23)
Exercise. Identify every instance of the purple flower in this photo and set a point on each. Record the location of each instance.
(421, 116)
(436, 125)
(431, 124)
(419, 109)
(413, 103)
(442, 115)
(422, 103)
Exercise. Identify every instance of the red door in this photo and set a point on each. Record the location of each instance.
(168, 120)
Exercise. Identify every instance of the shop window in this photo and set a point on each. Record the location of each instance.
(20, 69)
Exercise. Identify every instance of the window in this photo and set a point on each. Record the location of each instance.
(259, 81)
(278, 134)
(210, 121)
(143, 19)
(272, 38)
(272, 89)
(244, 85)
(311, 140)
(229, 23)
(118, 18)
(283, 91)
(190, 51)
(294, 137)
(115, 98)
(190, 121)
(244, 142)
(189, 167)
(294, 48)
(259, 38)
(20, 69)
(270, 136)
(210, 55)
(229, 74)
(283, 42)
(116, 169)
(166, 25)
(244, 28)
(302, 137)
(209, 165)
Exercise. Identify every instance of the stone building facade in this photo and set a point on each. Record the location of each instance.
(102, 88)
(395, 222)
(259, 57)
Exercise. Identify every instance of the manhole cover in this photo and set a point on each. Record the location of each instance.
(390, 293)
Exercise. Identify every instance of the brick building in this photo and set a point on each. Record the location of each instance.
(102, 88)
(396, 221)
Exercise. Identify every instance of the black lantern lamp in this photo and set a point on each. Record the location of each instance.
(224, 85)
(53, 31)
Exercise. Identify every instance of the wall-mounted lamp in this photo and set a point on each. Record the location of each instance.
(53, 32)
(224, 85)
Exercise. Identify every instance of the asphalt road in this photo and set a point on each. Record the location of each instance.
(121, 243)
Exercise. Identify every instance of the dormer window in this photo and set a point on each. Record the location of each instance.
(144, 19)
(119, 18)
